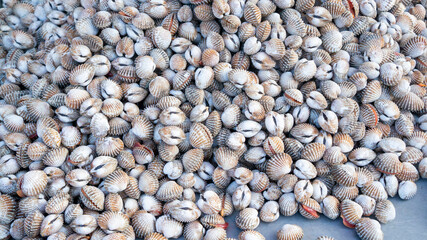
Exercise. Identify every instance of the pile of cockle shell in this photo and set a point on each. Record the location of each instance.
(156, 119)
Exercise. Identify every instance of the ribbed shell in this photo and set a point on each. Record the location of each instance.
(351, 212)
(143, 224)
(200, 136)
(345, 175)
(57, 204)
(7, 209)
(369, 229)
(111, 222)
(247, 219)
(410, 102)
(278, 166)
(290, 232)
(388, 163)
(32, 223)
(375, 190)
(92, 197)
(310, 209)
(226, 158)
(331, 207)
(369, 115)
(313, 152)
(169, 191)
(252, 14)
(34, 182)
(343, 192)
(116, 181)
(385, 211)
(332, 41)
(273, 146)
(409, 172)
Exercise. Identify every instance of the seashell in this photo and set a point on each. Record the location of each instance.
(304, 132)
(325, 238)
(288, 205)
(33, 183)
(328, 121)
(368, 115)
(92, 198)
(368, 228)
(57, 204)
(410, 102)
(155, 236)
(351, 213)
(247, 219)
(14, 123)
(185, 211)
(55, 157)
(295, 26)
(278, 166)
(169, 191)
(252, 14)
(169, 227)
(290, 231)
(304, 169)
(32, 223)
(82, 74)
(303, 190)
(332, 41)
(343, 192)
(273, 146)
(111, 222)
(7, 205)
(84, 224)
(200, 136)
(411, 155)
(193, 230)
(330, 207)
(310, 209)
(109, 146)
(22, 40)
(421, 168)
(375, 190)
(385, 211)
(414, 46)
(388, 163)
(116, 181)
(407, 190)
(367, 203)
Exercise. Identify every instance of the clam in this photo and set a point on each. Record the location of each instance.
(290, 231)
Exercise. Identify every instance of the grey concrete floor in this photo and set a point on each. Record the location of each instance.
(410, 222)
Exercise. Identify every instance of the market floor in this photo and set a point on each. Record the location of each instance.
(410, 222)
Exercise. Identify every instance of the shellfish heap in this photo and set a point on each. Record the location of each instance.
(115, 114)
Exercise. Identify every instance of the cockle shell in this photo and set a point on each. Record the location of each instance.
(247, 219)
(8, 211)
(92, 198)
(351, 212)
(367, 228)
(33, 182)
(290, 231)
